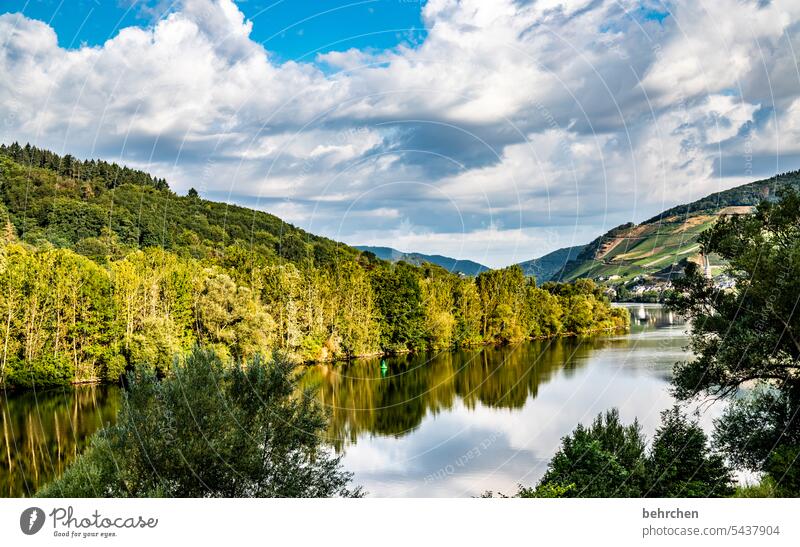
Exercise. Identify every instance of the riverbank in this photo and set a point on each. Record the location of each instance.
(385, 354)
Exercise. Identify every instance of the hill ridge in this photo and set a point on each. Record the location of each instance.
(464, 266)
(659, 245)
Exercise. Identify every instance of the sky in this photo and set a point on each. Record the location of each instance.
(495, 131)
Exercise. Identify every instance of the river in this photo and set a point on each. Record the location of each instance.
(453, 423)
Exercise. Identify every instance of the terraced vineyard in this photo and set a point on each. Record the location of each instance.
(663, 245)
(652, 249)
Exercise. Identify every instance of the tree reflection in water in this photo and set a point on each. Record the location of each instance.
(362, 400)
(43, 432)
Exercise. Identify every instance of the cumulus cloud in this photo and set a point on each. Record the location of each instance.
(513, 128)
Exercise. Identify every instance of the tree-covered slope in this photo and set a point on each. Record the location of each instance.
(78, 204)
(466, 267)
(546, 267)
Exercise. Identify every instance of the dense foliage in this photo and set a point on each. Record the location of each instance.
(95, 280)
(610, 459)
(210, 430)
(101, 215)
(681, 464)
(750, 334)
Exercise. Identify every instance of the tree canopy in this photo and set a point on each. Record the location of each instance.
(610, 459)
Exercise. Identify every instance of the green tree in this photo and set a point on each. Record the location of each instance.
(438, 304)
(608, 459)
(210, 430)
(399, 300)
(753, 332)
(468, 314)
(759, 433)
(545, 313)
(231, 319)
(356, 322)
(502, 294)
(749, 334)
(603, 460)
(681, 463)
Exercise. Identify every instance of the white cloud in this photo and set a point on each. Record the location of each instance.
(716, 45)
(509, 119)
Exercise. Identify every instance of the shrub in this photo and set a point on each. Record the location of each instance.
(208, 430)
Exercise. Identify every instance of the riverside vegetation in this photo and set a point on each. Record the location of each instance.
(103, 269)
(210, 430)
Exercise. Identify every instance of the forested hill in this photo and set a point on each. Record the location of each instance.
(110, 174)
(546, 267)
(466, 267)
(103, 269)
(79, 204)
(663, 244)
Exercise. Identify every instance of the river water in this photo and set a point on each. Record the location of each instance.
(436, 424)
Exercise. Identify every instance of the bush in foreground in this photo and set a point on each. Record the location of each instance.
(209, 430)
(608, 459)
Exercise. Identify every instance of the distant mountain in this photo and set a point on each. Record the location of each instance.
(547, 266)
(467, 267)
(660, 246)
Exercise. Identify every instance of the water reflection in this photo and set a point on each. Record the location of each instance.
(393, 395)
(43, 432)
(442, 424)
(459, 423)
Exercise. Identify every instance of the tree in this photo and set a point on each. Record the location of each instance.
(750, 333)
(230, 318)
(467, 304)
(210, 430)
(609, 459)
(545, 313)
(399, 300)
(356, 322)
(438, 304)
(759, 433)
(603, 460)
(502, 294)
(681, 464)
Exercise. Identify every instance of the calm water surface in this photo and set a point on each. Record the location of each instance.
(460, 423)
(43, 431)
(439, 424)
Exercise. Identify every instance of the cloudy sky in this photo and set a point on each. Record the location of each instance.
(491, 130)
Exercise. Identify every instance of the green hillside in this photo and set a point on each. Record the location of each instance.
(71, 203)
(104, 269)
(662, 245)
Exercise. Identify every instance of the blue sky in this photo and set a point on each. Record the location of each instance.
(290, 29)
(495, 131)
